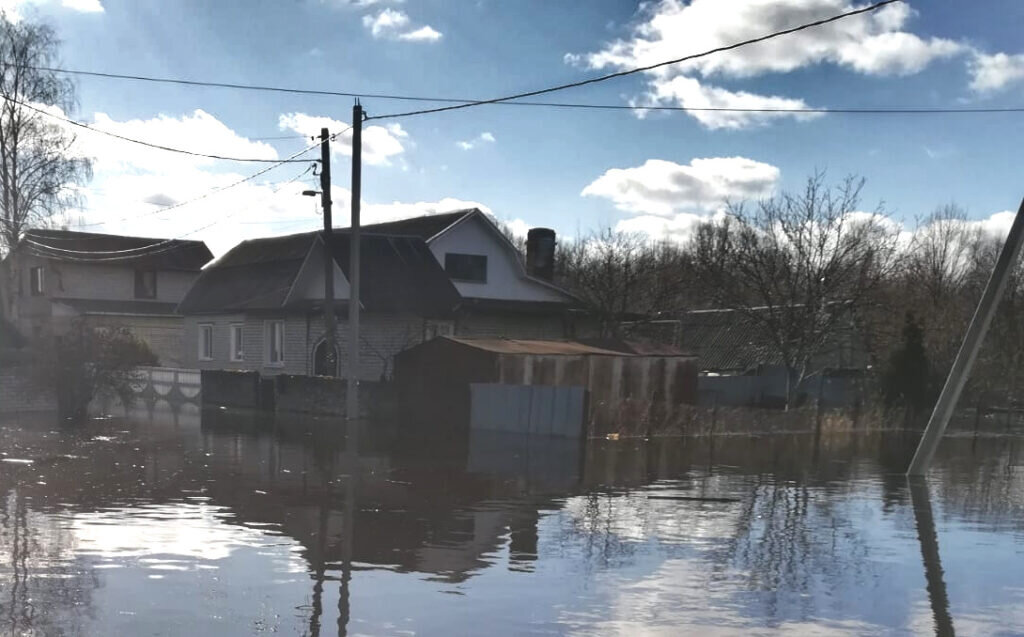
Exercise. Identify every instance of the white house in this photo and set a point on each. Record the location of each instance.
(502, 295)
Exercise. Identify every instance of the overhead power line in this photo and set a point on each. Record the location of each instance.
(144, 251)
(223, 188)
(144, 143)
(649, 67)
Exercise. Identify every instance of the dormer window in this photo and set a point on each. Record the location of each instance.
(471, 268)
(145, 284)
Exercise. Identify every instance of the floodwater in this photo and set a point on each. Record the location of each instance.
(168, 525)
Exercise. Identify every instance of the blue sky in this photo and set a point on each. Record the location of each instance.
(568, 169)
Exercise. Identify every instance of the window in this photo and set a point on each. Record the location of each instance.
(236, 343)
(433, 329)
(145, 284)
(206, 342)
(466, 267)
(36, 281)
(275, 342)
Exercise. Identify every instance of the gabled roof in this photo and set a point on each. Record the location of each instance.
(134, 252)
(399, 273)
(426, 227)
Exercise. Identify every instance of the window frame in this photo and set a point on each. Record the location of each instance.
(33, 288)
(202, 355)
(454, 277)
(236, 338)
(139, 273)
(269, 339)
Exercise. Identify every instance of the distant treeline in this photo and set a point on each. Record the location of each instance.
(801, 266)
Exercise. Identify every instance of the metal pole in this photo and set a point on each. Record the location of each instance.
(969, 350)
(325, 199)
(352, 395)
(929, 540)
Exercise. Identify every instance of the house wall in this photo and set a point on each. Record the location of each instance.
(506, 325)
(506, 278)
(381, 335)
(163, 334)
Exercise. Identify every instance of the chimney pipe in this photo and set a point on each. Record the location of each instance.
(540, 253)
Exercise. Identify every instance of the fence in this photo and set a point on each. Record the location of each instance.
(172, 384)
(527, 409)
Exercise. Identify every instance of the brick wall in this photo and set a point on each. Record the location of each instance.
(18, 394)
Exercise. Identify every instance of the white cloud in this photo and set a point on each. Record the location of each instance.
(391, 23)
(691, 93)
(15, 10)
(664, 188)
(872, 44)
(993, 72)
(385, 22)
(380, 143)
(425, 33)
(484, 137)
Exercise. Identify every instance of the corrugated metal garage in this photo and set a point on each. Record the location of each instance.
(624, 388)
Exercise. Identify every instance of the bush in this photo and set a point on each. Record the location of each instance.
(92, 362)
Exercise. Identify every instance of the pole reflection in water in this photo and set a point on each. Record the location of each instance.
(920, 500)
(240, 524)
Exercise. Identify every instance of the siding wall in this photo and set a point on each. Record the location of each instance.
(382, 336)
(506, 278)
(163, 334)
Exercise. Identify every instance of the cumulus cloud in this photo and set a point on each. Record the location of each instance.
(872, 44)
(994, 72)
(380, 143)
(395, 24)
(15, 9)
(133, 186)
(470, 144)
(664, 188)
(425, 33)
(691, 93)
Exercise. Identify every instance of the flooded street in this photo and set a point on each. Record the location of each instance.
(170, 525)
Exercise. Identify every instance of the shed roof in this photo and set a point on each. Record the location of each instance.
(90, 247)
(548, 348)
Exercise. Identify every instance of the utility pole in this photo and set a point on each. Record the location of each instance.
(330, 324)
(352, 395)
(969, 350)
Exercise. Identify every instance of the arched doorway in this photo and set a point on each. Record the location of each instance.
(325, 359)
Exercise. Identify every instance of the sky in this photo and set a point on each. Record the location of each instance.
(572, 170)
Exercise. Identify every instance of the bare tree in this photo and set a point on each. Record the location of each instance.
(37, 167)
(798, 266)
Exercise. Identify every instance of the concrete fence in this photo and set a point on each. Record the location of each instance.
(18, 394)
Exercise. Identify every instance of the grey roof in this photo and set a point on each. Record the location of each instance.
(69, 245)
(520, 346)
(399, 273)
(104, 306)
(423, 227)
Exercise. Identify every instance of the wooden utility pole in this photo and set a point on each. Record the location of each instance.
(969, 350)
(330, 324)
(352, 395)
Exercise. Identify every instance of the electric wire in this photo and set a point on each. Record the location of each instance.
(640, 69)
(44, 250)
(141, 142)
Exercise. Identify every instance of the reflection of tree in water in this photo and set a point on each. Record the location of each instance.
(44, 588)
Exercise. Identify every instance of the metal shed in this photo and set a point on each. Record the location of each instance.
(624, 390)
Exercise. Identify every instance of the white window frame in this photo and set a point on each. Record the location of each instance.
(269, 332)
(40, 289)
(204, 329)
(236, 332)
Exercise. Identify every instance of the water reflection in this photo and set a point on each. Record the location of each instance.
(226, 523)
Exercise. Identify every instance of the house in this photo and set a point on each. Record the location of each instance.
(53, 277)
(260, 306)
(502, 295)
